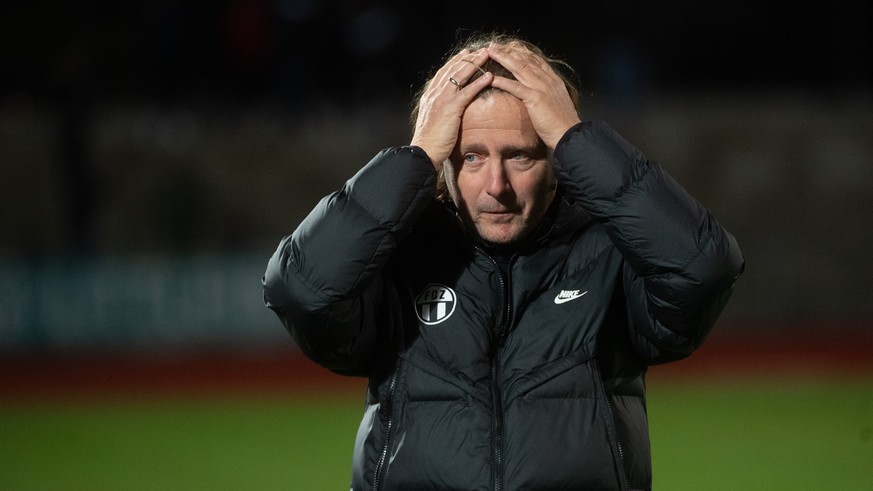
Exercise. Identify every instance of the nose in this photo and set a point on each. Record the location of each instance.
(498, 180)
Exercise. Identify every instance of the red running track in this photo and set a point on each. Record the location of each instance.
(801, 355)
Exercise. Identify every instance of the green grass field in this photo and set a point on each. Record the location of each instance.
(731, 436)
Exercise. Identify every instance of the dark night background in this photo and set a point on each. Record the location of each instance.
(168, 51)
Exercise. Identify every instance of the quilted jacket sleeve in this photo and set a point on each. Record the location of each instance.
(324, 280)
(681, 264)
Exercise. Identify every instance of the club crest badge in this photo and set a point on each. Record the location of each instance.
(435, 304)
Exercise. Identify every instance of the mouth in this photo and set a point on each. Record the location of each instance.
(500, 215)
(500, 211)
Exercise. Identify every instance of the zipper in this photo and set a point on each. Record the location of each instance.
(496, 397)
(619, 447)
(496, 424)
(386, 446)
(500, 334)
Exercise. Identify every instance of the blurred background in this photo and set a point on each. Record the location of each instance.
(153, 153)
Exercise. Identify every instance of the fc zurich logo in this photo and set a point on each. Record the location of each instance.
(435, 304)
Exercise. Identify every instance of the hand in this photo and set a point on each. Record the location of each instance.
(542, 91)
(443, 103)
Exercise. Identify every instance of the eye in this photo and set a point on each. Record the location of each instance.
(473, 159)
(521, 160)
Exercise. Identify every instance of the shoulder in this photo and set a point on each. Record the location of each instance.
(583, 238)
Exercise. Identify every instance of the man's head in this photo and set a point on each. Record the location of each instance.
(500, 174)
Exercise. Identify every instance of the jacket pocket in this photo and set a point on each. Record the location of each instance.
(426, 380)
(560, 428)
(435, 433)
(554, 380)
(617, 446)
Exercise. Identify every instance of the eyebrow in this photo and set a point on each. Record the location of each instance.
(479, 148)
(537, 150)
(519, 148)
(473, 147)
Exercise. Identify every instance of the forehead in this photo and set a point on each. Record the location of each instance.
(497, 117)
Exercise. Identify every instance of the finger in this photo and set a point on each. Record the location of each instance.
(514, 87)
(452, 64)
(444, 72)
(466, 66)
(525, 65)
(512, 58)
(469, 91)
(452, 61)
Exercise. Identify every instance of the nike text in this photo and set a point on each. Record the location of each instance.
(567, 295)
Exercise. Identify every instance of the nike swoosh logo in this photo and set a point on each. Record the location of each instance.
(567, 295)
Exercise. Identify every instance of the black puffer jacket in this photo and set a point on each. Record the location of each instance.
(531, 379)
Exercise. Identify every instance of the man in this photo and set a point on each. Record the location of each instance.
(507, 327)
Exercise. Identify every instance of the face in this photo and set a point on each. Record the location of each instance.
(505, 181)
